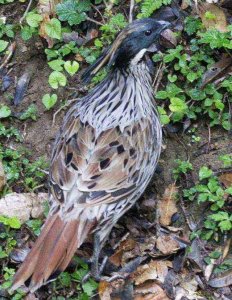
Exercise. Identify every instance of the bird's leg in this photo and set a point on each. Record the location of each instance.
(95, 270)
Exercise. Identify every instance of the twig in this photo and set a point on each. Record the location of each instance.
(209, 139)
(192, 226)
(132, 4)
(94, 21)
(158, 77)
(26, 11)
(69, 102)
(8, 56)
(103, 20)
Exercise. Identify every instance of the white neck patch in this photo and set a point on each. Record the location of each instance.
(138, 57)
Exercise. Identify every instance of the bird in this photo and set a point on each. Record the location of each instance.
(103, 158)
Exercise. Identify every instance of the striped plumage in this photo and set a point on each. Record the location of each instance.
(104, 156)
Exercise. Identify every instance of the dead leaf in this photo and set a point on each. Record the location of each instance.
(226, 179)
(155, 270)
(209, 269)
(218, 70)
(150, 291)
(226, 249)
(130, 249)
(2, 176)
(168, 39)
(225, 279)
(125, 246)
(47, 9)
(167, 206)
(185, 4)
(104, 290)
(213, 16)
(24, 206)
(31, 296)
(187, 288)
(166, 244)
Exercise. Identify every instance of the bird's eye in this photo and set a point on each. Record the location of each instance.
(148, 32)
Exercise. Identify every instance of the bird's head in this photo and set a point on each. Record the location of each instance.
(130, 45)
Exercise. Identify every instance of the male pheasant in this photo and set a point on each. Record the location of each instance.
(103, 158)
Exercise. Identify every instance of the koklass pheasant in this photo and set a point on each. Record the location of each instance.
(104, 156)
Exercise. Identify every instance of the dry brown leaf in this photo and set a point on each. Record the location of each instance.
(167, 206)
(104, 290)
(185, 4)
(218, 19)
(24, 206)
(155, 270)
(166, 244)
(225, 279)
(150, 291)
(124, 246)
(217, 71)
(226, 179)
(188, 287)
(47, 9)
(2, 176)
(31, 296)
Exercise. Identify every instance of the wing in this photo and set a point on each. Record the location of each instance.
(89, 169)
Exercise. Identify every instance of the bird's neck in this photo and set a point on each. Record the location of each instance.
(125, 96)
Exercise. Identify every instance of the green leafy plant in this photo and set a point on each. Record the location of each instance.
(209, 190)
(33, 19)
(53, 28)
(49, 100)
(114, 24)
(4, 111)
(184, 97)
(35, 225)
(71, 67)
(226, 160)
(30, 113)
(85, 290)
(6, 29)
(182, 167)
(74, 12)
(3, 45)
(149, 6)
(57, 79)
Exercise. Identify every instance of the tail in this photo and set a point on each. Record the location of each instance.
(52, 252)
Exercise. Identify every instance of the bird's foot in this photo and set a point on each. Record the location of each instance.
(96, 271)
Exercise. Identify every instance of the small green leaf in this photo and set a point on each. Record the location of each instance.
(14, 223)
(192, 76)
(33, 19)
(27, 32)
(49, 100)
(205, 172)
(4, 111)
(161, 95)
(71, 67)
(89, 287)
(53, 29)
(229, 190)
(221, 215)
(3, 45)
(57, 79)
(177, 105)
(225, 225)
(56, 64)
(172, 78)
